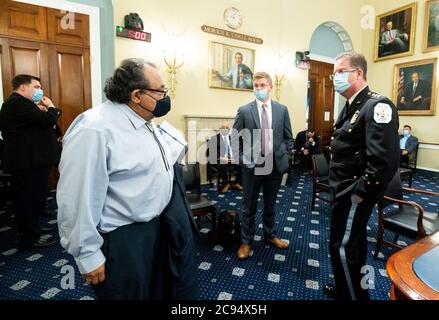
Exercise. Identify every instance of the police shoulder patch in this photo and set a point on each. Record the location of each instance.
(382, 113)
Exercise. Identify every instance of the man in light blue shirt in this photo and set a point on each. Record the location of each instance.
(115, 181)
(239, 76)
(408, 145)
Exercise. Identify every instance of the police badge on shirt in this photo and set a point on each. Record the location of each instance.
(382, 113)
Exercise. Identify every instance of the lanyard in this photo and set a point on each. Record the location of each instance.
(162, 151)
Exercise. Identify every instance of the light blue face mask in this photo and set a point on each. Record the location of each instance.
(341, 82)
(38, 95)
(406, 133)
(261, 95)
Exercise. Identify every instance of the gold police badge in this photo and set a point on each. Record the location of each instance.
(355, 117)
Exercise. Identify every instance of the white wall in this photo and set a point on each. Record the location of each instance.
(285, 26)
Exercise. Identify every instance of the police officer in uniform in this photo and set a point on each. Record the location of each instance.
(364, 158)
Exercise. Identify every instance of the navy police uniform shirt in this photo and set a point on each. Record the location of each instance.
(364, 147)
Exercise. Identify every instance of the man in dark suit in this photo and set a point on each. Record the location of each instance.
(30, 148)
(261, 139)
(307, 144)
(417, 94)
(408, 145)
(220, 155)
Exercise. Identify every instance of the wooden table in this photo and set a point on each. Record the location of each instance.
(406, 285)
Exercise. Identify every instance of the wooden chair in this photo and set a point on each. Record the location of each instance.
(200, 206)
(5, 180)
(320, 179)
(403, 217)
(408, 169)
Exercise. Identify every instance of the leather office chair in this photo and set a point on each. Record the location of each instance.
(200, 205)
(320, 179)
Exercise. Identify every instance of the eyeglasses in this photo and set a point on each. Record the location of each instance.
(164, 92)
(332, 76)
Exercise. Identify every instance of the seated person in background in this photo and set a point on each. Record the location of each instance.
(220, 156)
(307, 143)
(408, 144)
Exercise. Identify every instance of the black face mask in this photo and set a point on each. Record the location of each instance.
(162, 107)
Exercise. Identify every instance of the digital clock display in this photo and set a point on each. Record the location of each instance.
(131, 34)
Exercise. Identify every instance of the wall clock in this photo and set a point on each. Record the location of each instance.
(232, 18)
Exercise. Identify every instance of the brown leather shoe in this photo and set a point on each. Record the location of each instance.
(278, 243)
(244, 251)
(226, 188)
(238, 187)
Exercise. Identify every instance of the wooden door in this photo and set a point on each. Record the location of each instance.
(52, 45)
(23, 21)
(18, 57)
(70, 81)
(68, 28)
(321, 100)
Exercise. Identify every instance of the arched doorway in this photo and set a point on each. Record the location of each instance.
(328, 40)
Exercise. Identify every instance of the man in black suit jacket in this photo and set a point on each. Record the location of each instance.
(417, 95)
(220, 155)
(30, 148)
(263, 126)
(306, 145)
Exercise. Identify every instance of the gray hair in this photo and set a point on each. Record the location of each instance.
(356, 60)
(128, 77)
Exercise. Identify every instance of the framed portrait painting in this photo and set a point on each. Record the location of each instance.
(431, 28)
(395, 33)
(231, 67)
(414, 88)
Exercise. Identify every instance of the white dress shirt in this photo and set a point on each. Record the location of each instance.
(356, 94)
(226, 139)
(112, 173)
(269, 112)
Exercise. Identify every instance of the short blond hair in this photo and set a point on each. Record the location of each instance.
(263, 75)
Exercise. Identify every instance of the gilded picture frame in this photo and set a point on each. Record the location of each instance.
(231, 67)
(395, 33)
(415, 87)
(431, 26)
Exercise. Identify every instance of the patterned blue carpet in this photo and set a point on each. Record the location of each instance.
(298, 273)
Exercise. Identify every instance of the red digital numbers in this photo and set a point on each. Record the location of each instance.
(137, 35)
(132, 34)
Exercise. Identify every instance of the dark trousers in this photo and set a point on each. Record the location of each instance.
(134, 265)
(252, 184)
(225, 169)
(404, 160)
(397, 45)
(348, 246)
(30, 189)
(305, 161)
